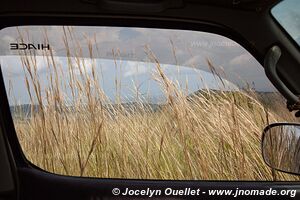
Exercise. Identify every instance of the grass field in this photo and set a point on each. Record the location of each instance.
(211, 135)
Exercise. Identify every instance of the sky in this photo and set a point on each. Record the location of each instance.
(287, 13)
(134, 77)
(187, 51)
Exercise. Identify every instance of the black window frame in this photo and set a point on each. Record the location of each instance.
(37, 183)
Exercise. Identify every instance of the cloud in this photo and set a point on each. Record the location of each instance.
(13, 66)
(192, 48)
(83, 65)
(241, 59)
(135, 68)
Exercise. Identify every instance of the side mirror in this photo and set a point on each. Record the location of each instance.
(281, 147)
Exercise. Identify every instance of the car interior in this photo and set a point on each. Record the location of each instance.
(244, 27)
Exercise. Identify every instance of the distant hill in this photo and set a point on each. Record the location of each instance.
(23, 111)
(268, 99)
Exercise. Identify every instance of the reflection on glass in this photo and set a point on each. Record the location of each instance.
(281, 148)
(120, 81)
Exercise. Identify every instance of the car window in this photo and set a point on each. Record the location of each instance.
(287, 13)
(138, 103)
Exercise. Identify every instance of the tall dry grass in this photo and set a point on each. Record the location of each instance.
(212, 135)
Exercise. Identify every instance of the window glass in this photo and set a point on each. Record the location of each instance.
(287, 13)
(118, 102)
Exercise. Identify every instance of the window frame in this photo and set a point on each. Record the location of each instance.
(32, 178)
(106, 21)
(286, 33)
